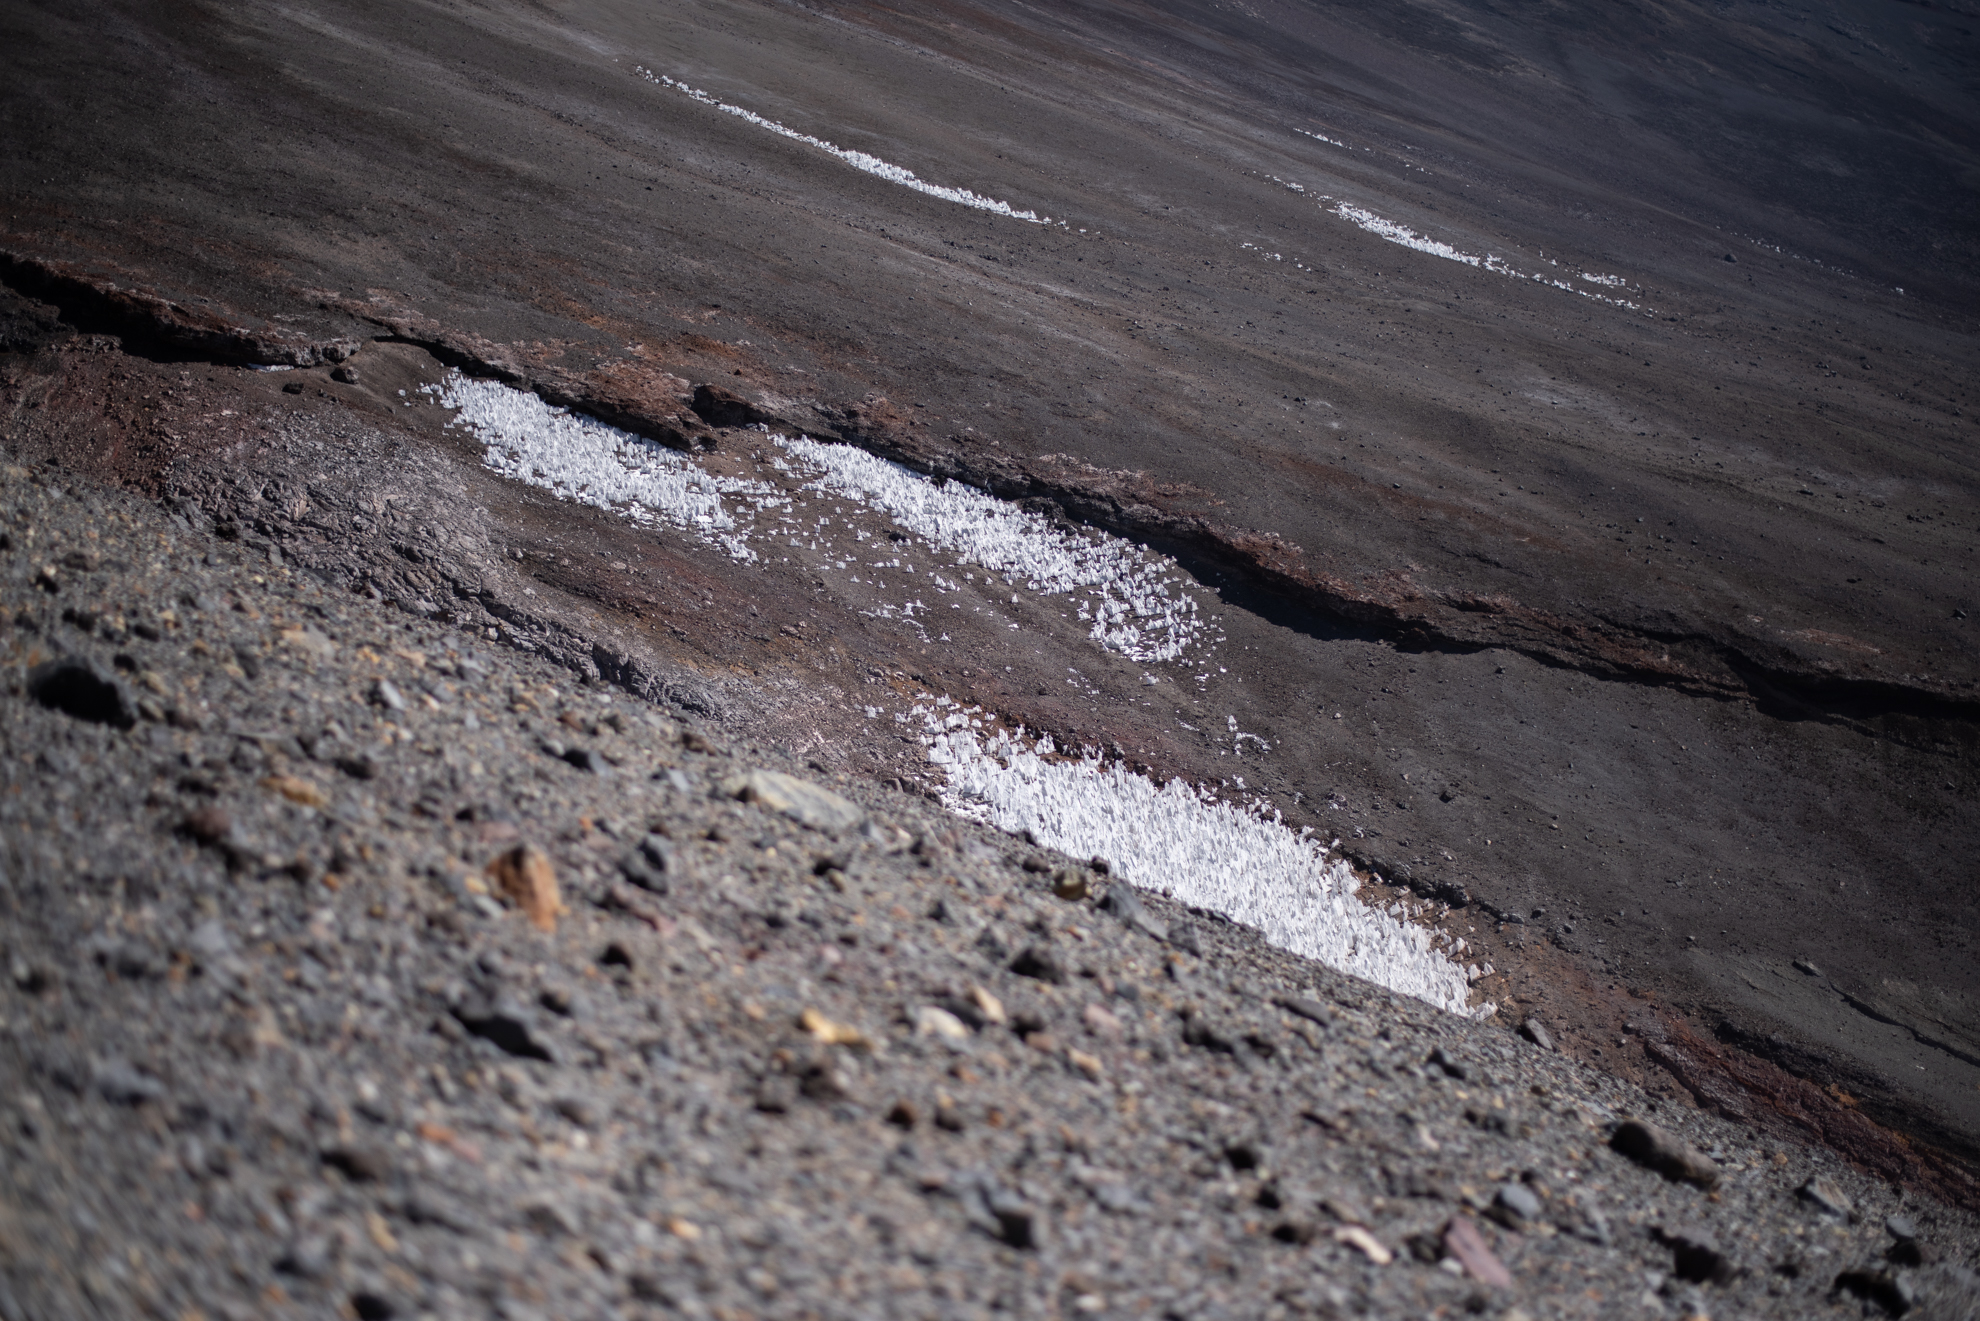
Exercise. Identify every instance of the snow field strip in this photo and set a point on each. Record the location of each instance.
(859, 160)
(583, 459)
(1404, 236)
(1132, 601)
(1136, 607)
(1175, 840)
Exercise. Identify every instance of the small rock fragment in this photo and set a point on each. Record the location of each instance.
(932, 1022)
(1889, 1290)
(1442, 1060)
(120, 1084)
(1039, 962)
(1536, 1032)
(296, 790)
(1310, 1010)
(800, 800)
(1089, 1065)
(1101, 1021)
(1466, 1246)
(1669, 1155)
(650, 864)
(776, 1095)
(80, 688)
(524, 876)
(209, 825)
(823, 1029)
(1696, 1255)
(1069, 884)
(990, 1006)
(359, 1162)
(1370, 1246)
(1828, 1198)
(496, 1018)
(346, 374)
(1515, 1204)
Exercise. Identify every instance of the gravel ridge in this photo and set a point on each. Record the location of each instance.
(357, 966)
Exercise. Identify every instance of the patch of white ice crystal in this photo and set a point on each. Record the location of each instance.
(1133, 600)
(585, 460)
(859, 160)
(1176, 841)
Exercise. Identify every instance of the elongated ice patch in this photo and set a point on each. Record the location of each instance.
(585, 460)
(1132, 600)
(1210, 854)
(1404, 236)
(859, 160)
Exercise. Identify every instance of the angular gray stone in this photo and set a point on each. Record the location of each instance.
(800, 800)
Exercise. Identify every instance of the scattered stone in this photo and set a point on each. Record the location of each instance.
(1101, 1021)
(1826, 1196)
(576, 1109)
(358, 767)
(1696, 1255)
(1807, 966)
(1441, 1060)
(1536, 1032)
(989, 1005)
(1039, 962)
(359, 1162)
(305, 1258)
(776, 1095)
(1889, 1290)
(1466, 1246)
(209, 825)
(1310, 1010)
(296, 790)
(903, 1114)
(825, 1031)
(120, 1084)
(346, 375)
(930, 1021)
(292, 387)
(524, 876)
(588, 760)
(1669, 1155)
(79, 687)
(386, 694)
(800, 800)
(1183, 936)
(1069, 884)
(1369, 1246)
(1089, 1065)
(1515, 1205)
(650, 864)
(498, 1019)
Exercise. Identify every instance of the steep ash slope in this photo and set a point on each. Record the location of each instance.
(1596, 599)
(358, 967)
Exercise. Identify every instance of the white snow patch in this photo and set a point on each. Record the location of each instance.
(1134, 602)
(1133, 599)
(1179, 842)
(859, 160)
(1406, 237)
(583, 459)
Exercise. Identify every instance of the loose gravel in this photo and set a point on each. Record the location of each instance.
(357, 967)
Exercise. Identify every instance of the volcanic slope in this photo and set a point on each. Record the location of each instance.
(1566, 426)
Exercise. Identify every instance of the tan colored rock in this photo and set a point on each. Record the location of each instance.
(296, 790)
(525, 877)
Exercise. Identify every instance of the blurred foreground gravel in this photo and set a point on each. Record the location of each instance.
(356, 966)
